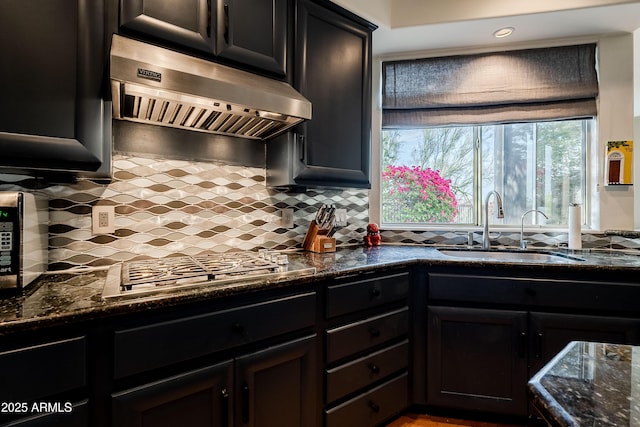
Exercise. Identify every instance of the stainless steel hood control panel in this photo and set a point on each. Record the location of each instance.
(158, 86)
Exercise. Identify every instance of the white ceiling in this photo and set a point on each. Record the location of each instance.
(424, 25)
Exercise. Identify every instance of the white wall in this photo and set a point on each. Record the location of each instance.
(378, 11)
(613, 207)
(636, 127)
(426, 12)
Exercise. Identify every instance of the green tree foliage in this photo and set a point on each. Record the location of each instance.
(560, 171)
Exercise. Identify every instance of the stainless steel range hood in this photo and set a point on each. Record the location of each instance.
(158, 86)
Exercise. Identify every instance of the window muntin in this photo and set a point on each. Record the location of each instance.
(533, 165)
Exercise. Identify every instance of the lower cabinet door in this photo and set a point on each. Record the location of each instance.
(276, 387)
(200, 398)
(477, 360)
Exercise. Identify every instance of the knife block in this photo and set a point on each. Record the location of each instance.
(316, 240)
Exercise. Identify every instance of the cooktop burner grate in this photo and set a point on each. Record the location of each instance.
(148, 278)
(186, 269)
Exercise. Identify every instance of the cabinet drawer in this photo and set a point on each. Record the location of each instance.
(362, 372)
(359, 336)
(532, 292)
(372, 408)
(354, 296)
(153, 346)
(43, 370)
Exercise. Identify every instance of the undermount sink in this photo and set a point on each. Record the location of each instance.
(511, 256)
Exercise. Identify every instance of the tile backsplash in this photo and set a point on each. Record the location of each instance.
(540, 239)
(166, 207)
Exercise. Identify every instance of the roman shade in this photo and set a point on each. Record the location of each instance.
(501, 87)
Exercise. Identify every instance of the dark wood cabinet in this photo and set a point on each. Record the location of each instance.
(488, 334)
(254, 33)
(162, 344)
(367, 350)
(366, 294)
(200, 398)
(373, 407)
(40, 364)
(551, 332)
(34, 375)
(72, 415)
(477, 360)
(267, 378)
(55, 117)
(188, 23)
(332, 70)
(251, 33)
(353, 338)
(273, 387)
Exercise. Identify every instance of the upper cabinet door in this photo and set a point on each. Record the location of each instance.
(187, 23)
(54, 114)
(333, 70)
(254, 33)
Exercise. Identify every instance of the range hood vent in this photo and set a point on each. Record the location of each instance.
(158, 86)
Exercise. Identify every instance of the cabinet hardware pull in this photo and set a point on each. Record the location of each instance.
(245, 403)
(374, 406)
(375, 292)
(522, 336)
(238, 328)
(301, 147)
(375, 332)
(538, 345)
(226, 24)
(225, 407)
(374, 368)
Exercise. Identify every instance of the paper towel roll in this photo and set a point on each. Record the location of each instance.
(575, 221)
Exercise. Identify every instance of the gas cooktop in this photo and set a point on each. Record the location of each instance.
(150, 276)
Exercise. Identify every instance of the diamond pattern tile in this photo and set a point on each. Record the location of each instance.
(171, 207)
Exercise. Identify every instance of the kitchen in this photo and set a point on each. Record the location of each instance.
(166, 203)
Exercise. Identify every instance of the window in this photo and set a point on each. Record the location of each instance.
(441, 175)
(456, 128)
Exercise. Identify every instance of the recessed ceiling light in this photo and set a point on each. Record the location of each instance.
(503, 32)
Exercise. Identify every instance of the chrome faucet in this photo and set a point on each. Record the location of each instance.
(523, 243)
(486, 240)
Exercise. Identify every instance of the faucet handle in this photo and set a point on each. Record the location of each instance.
(523, 244)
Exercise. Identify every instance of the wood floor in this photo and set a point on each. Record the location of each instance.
(412, 420)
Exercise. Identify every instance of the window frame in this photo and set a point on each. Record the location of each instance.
(478, 195)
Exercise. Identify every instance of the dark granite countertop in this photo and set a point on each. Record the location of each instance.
(590, 384)
(64, 297)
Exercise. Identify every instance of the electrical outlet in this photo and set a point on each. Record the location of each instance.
(286, 220)
(103, 219)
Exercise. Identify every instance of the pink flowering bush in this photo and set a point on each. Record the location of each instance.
(413, 194)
